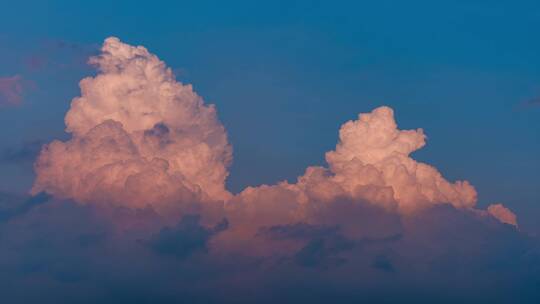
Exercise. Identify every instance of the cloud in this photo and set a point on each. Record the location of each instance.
(27, 152)
(11, 90)
(533, 102)
(62, 252)
(187, 237)
(371, 162)
(503, 214)
(141, 138)
(528, 104)
(138, 137)
(382, 262)
(139, 212)
(59, 54)
(321, 245)
(12, 205)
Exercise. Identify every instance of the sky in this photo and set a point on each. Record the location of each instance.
(285, 79)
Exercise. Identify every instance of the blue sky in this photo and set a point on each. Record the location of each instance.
(285, 75)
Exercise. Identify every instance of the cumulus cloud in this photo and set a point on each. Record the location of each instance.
(372, 162)
(139, 137)
(11, 90)
(139, 212)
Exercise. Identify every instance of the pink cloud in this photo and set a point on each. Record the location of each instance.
(146, 167)
(503, 214)
(59, 54)
(141, 138)
(11, 90)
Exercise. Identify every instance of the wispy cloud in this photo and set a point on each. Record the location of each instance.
(59, 54)
(25, 153)
(528, 104)
(11, 90)
(535, 102)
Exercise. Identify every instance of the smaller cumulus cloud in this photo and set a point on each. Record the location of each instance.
(11, 90)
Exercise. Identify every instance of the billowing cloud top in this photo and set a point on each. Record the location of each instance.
(139, 137)
(372, 162)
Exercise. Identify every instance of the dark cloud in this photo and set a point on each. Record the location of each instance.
(321, 247)
(534, 102)
(323, 252)
(55, 251)
(382, 262)
(300, 231)
(186, 238)
(13, 205)
(25, 153)
(160, 134)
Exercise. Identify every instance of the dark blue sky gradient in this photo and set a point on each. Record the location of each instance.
(285, 75)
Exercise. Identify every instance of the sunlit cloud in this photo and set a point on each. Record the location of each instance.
(503, 214)
(134, 206)
(138, 137)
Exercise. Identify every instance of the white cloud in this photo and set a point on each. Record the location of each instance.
(138, 137)
(141, 138)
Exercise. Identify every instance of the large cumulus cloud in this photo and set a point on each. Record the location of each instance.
(133, 208)
(138, 137)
